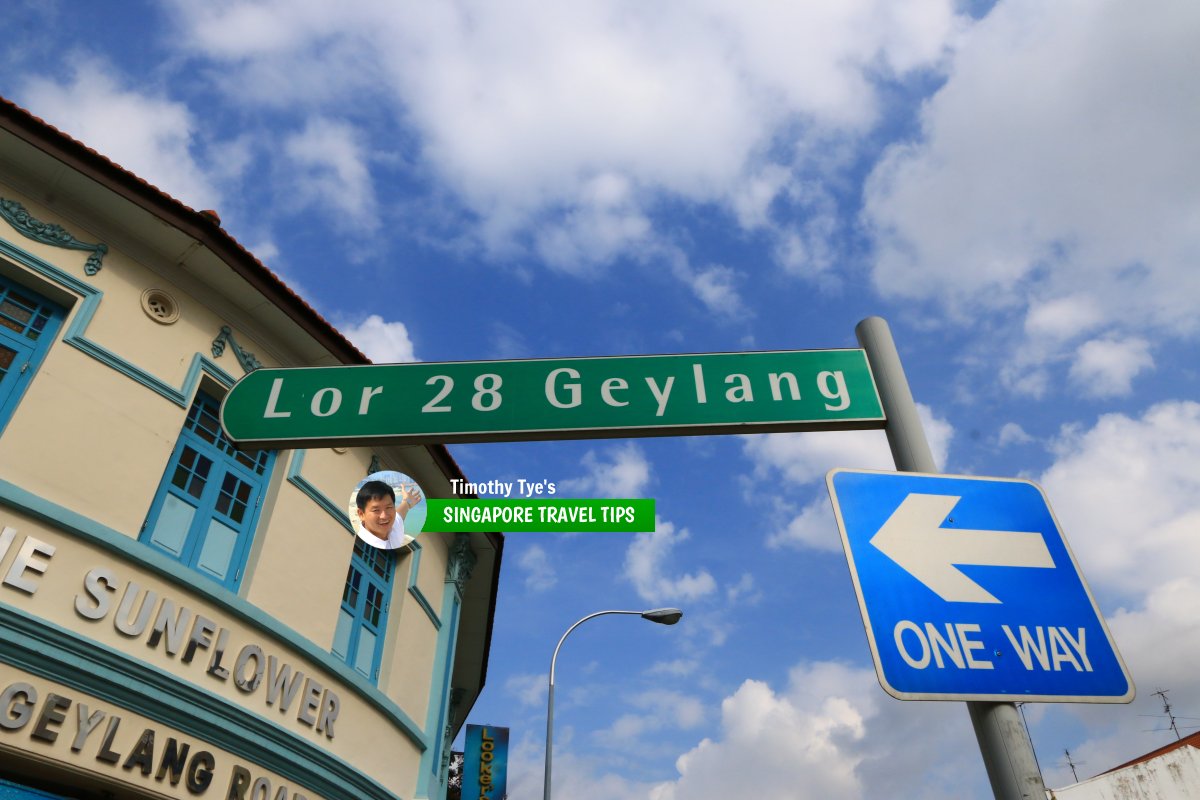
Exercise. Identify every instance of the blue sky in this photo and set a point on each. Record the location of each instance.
(1012, 185)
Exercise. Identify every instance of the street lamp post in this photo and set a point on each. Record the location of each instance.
(663, 616)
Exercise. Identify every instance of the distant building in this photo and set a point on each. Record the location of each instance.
(1168, 773)
(180, 618)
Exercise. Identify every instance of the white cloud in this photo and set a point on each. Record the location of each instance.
(577, 776)
(621, 471)
(716, 287)
(1159, 640)
(801, 458)
(751, 200)
(1011, 433)
(151, 136)
(827, 736)
(1063, 317)
(382, 342)
(507, 342)
(813, 528)
(772, 742)
(530, 690)
(1106, 367)
(329, 170)
(744, 591)
(805, 457)
(1062, 136)
(646, 562)
(604, 222)
(660, 709)
(1127, 494)
(805, 245)
(267, 251)
(679, 668)
(569, 124)
(540, 574)
(830, 734)
(808, 251)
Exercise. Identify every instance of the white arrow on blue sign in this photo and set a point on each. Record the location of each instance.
(969, 591)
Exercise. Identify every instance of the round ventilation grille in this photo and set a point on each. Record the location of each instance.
(160, 306)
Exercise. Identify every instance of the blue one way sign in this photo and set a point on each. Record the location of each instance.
(968, 591)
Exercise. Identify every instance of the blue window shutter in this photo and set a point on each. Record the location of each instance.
(362, 618)
(28, 325)
(207, 506)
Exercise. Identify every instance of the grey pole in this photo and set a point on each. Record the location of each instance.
(663, 616)
(550, 696)
(1007, 752)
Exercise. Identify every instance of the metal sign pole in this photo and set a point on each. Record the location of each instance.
(1007, 752)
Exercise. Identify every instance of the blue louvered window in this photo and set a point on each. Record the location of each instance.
(358, 638)
(207, 505)
(28, 324)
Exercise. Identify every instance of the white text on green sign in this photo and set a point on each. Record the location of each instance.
(556, 398)
(515, 516)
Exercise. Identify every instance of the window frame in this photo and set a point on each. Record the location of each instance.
(206, 507)
(354, 605)
(28, 353)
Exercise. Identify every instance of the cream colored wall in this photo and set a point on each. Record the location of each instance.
(85, 435)
(412, 641)
(96, 442)
(121, 326)
(410, 651)
(435, 558)
(303, 553)
(131, 727)
(363, 736)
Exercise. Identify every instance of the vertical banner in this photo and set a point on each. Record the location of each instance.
(485, 763)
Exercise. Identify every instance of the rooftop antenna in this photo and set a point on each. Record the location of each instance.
(1167, 710)
(1071, 764)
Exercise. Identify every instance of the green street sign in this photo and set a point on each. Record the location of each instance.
(564, 398)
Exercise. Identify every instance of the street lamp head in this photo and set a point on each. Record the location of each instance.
(663, 616)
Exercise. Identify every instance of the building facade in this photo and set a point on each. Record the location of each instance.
(181, 618)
